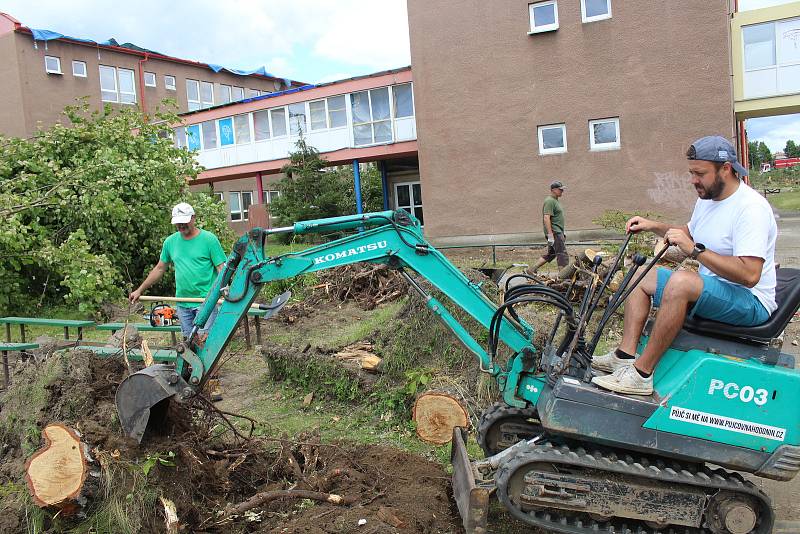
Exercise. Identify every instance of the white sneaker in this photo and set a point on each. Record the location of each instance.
(626, 380)
(610, 362)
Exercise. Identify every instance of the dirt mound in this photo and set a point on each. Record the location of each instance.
(206, 467)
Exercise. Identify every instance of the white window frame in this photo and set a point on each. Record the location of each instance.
(235, 88)
(410, 196)
(559, 150)
(285, 122)
(223, 91)
(586, 19)
(244, 215)
(219, 196)
(595, 147)
(413, 104)
(85, 74)
(189, 100)
(206, 103)
(117, 86)
(776, 66)
(47, 68)
(325, 111)
(372, 122)
(544, 27)
(153, 78)
(328, 111)
(167, 86)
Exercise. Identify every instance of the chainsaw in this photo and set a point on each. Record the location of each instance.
(161, 315)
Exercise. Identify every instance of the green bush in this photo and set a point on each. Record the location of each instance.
(86, 207)
(615, 220)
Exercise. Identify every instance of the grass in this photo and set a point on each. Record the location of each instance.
(786, 201)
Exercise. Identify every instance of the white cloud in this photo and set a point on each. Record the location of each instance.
(774, 131)
(303, 39)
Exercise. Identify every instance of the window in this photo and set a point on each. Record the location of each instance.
(193, 137)
(237, 93)
(337, 112)
(206, 94)
(209, 135)
(193, 94)
(169, 82)
(224, 94)
(251, 93)
(261, 125)
(544, 17)
(771, 58)
(52, 65)
(604, 134)
(150, 79)
(371, 123)
(79, 69)
(226, 131)
(240, 202)
(297, 118)
(218, 197)
(180, 137)
(319, 117)
(241, 126)
(278, 119)
(552, 139)
(117, 85)
(403, 100)
(592, 10)
(271, 195)
(408, 196)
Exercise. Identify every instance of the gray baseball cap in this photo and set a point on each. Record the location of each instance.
(557, 185)
(717, 148)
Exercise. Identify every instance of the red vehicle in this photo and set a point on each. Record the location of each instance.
(786, 162)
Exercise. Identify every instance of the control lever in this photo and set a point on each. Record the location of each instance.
(609, 275)
(638, 261)
(577, 336)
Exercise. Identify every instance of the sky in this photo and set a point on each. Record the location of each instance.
(305, 40)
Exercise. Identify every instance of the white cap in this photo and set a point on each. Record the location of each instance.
(182, 213)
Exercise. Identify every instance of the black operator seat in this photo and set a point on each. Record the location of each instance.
(787, 296)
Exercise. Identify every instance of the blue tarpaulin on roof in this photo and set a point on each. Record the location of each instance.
(49, 35)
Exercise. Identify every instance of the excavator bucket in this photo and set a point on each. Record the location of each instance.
(472, 500)
(144, 398)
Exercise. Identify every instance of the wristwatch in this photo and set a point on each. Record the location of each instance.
(698, 249)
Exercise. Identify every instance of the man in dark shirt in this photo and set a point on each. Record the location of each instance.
(553, 224)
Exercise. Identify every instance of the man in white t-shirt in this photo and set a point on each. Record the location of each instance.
(732, 235)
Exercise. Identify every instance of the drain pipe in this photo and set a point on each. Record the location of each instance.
(141, 80)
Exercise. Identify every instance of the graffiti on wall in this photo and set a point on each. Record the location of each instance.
(673, 189)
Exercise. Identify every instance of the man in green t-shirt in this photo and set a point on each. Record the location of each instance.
(553, 224)
(197, 257)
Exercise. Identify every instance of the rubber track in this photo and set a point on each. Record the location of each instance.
(628, 464)
(496, 412)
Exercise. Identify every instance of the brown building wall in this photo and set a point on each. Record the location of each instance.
(483, 86)
(44, 96)
(13, 122)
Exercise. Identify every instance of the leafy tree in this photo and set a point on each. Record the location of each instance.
(312, 191)
(759, 153)
(792, 149)
(85, 208)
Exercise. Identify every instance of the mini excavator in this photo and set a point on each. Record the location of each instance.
(560, 454)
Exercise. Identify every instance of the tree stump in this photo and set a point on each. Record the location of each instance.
(57, 473)
(436, 414)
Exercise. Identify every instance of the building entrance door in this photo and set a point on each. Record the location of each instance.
(408, 196)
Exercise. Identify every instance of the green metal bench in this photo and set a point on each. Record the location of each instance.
(37, 321)
(5, 348)
(143, 327)
(159, 355)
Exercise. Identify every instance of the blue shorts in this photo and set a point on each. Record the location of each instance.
(186, 317)
(720, 301)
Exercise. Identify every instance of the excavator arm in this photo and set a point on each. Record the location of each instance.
(391, 238)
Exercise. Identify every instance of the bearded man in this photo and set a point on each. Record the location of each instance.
(732, 235)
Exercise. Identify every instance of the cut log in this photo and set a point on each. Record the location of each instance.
(362, 354)
(57, 473)
(436, 414)
(170, 516)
